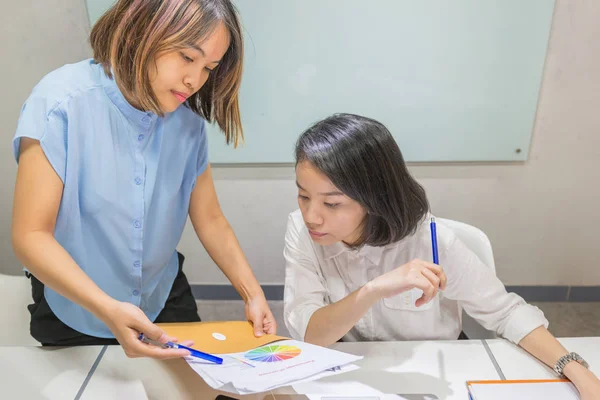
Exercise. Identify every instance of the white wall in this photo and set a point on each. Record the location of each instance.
(541, 216)
(36, 37)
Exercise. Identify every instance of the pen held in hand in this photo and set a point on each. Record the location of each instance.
(434, 246)
(171, 345)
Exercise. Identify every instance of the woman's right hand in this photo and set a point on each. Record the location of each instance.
(418, 274)
(127, 321)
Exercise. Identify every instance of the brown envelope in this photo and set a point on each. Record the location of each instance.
(239, 336)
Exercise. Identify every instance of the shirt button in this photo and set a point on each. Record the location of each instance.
(137, 224)
(138, 181)
(135, 292)
(136, 264)
(145, 118)
(140, 137)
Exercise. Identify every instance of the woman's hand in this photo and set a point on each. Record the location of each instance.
(260, 315)
(416, 274)
(127, 321)
(584, 380)
(590, 391)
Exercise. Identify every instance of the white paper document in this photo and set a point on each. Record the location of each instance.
(271, 366)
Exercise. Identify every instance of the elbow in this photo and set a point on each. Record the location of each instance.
(207, 222)
(23, 240)
(314, 339)
(308, 338)
(318, 336)
(299, 330)
(18, 239)
(317, 341)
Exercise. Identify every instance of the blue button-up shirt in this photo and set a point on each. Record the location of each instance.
(128, 176)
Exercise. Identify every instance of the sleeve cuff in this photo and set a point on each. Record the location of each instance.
(522, 321)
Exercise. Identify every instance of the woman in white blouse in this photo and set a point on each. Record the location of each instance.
(357, 256)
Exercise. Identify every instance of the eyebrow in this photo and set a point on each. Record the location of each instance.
(333, 193)
(199, 49)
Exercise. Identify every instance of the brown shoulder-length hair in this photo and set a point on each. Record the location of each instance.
(361, 158)
(132, 33)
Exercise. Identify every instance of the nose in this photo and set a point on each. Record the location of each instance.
(194, 80)
(188, 84)
(313, 217)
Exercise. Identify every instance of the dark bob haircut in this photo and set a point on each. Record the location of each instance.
(361, 158)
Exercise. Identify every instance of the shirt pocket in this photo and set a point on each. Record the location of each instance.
(406, 301)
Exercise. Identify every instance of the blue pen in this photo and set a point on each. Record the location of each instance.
(434, 246)
(171, 345)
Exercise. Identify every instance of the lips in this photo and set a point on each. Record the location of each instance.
(180, 96)
(316, 234)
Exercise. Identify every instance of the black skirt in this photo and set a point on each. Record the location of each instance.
(47, 329)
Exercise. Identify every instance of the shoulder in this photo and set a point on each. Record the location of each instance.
(62, 85)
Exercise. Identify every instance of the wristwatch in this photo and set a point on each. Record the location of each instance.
(564, 360)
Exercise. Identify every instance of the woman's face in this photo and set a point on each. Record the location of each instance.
(329, 214)
(178, 74)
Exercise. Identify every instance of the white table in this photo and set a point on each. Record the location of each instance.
(439, 367)
(120, 377)
(44, 373)
(516, 363)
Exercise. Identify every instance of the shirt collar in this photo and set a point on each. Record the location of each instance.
(372, 253)
(141, 119)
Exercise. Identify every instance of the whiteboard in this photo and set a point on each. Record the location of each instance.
(452, 80)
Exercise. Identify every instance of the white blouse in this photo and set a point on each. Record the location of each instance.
(316, 276)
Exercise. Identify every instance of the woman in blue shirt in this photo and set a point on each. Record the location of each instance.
(112, 157)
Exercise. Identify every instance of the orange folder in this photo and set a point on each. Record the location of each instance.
(547, 389)
(513, 381)
(238, 336)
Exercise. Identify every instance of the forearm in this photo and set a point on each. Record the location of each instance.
(223, 247)
(49, 262)
(330, 323)
(541, 344)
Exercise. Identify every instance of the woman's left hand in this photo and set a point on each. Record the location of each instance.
(590, 390)
(584, 380)
(259, 313)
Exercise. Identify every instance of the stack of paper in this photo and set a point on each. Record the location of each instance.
(551, 389)
(252, 365)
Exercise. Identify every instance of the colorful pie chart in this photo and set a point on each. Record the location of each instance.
(273, 353)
